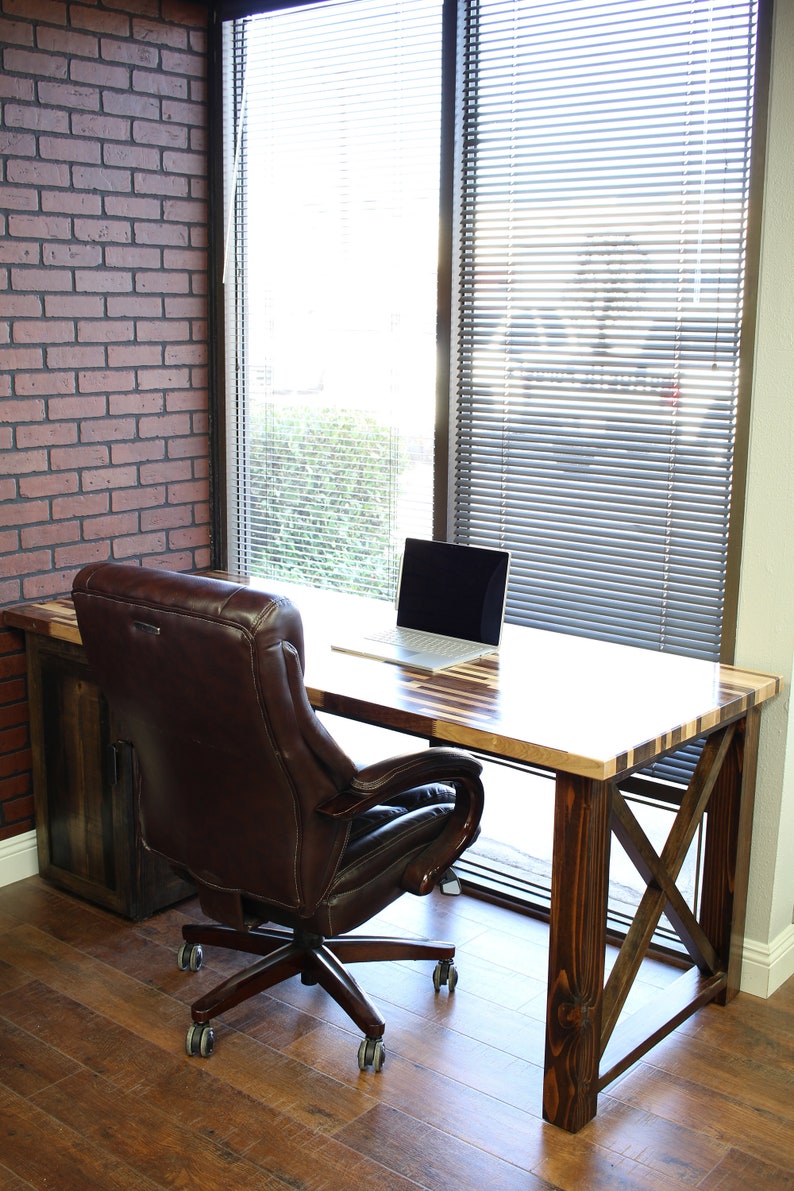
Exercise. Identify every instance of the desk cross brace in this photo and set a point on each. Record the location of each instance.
(660, 874)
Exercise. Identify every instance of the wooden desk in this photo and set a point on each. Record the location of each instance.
(593, 713)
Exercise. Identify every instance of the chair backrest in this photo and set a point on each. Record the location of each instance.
(205, 679)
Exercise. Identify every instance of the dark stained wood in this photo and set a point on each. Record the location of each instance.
(96, 1090)
(726, 861)
(430, 1157)
(83, 786)
(639, 849)
(661, 874)
(576, 953)
(31, 1139)
(663, 1014)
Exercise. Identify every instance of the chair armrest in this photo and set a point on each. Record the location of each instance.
(391, 777)
(388, 779)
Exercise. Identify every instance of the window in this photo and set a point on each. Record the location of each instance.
(593, 182)
(331, 180)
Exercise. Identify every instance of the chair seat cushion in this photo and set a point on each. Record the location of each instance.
(363, 826)
(382, 843)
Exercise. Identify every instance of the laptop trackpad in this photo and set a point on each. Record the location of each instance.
(396, 653)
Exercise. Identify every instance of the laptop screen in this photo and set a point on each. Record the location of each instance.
(458, 591)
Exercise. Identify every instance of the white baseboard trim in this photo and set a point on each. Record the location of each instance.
(766, 966)
(18, 858)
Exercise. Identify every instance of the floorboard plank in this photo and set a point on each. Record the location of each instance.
(44, 1153)
(753, 1130)
(491, 1123)
(146, 1140)
(740, 1172)
(430, 1156)
(28, 1063)
(671, 1149)
(730, 1072)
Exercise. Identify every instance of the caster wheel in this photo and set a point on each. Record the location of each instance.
(190, 955)
(200, 1040)
(371, 1053)
(445, 972)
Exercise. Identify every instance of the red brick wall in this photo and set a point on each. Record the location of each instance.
(103, 309)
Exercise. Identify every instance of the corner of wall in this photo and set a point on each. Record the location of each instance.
(766, 966)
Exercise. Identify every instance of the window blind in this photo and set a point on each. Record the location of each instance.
(332, 201)
(600, 252)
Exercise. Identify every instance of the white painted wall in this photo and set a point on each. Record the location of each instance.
(765, 637)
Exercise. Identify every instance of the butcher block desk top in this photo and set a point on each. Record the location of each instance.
(561, 702)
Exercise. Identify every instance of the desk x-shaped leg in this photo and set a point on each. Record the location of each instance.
(586, 1045)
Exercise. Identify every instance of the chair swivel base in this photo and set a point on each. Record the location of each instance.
(317, 960)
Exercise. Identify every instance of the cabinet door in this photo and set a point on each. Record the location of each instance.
(85, 807)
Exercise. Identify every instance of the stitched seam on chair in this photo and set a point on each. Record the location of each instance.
(238, 587)
(333, 875)
(276, 602)
(153, 606)
(277, 753)
(332, 911)
(289, 650)
(388, 775)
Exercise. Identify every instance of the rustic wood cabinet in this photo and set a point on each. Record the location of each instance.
(86, 830)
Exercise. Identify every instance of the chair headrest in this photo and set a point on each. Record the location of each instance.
(231, 602)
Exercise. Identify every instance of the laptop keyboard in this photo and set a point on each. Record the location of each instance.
(421, 642)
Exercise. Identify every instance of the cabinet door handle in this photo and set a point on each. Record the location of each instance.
(113, 763)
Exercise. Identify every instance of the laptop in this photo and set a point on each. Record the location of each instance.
(450, 607)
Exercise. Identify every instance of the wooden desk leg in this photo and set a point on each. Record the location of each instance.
(726, 860)
(579, 889)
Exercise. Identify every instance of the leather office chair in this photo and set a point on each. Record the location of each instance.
(242, 789)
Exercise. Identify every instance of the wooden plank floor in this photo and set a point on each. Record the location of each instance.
(97, 1092)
